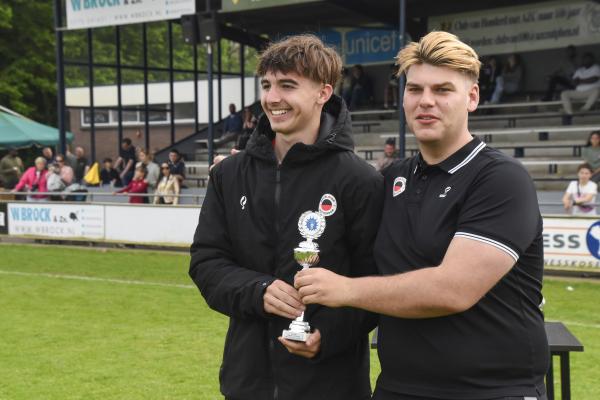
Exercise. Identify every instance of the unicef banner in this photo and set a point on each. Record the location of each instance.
(525, 28)
(572, 242)
(56, 220)
(95, 13)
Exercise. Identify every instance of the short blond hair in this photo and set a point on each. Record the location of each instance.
(305, 55)
(441, 49)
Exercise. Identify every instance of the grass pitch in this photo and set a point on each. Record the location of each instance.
(98, 324)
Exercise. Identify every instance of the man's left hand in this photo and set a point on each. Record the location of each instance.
(308, 349)
(321, 286)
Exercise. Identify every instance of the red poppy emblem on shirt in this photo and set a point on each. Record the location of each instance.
(327, 205)
(399, 186)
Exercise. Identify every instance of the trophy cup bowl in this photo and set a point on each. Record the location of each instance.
(306, 256)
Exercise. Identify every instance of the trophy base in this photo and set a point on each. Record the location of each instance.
(299, 331)
(295, 336)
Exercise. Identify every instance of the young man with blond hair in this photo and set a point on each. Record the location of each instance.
(460, 247)
(299, 159)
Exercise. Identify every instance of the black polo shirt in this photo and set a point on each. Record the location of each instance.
(498, 347)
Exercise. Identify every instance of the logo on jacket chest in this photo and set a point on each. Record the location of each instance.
(327, 205)
(399, 186)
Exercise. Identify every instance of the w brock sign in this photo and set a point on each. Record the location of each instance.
(95, 13)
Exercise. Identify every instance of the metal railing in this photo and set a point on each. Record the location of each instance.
(89, 196)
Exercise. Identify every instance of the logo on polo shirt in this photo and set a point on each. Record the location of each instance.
(445, 193)
(327, 205)
(243, 201)
(399, 186)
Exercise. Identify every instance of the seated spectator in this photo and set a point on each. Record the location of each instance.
(562, 76)
(247, 129)
(137, 185)
(66, 172)
(510, 80)
(587, 87)
(126, 161)
(177, 166)
(81, 164)
(232, 127)
(488, 78)
(109, 175)
(591, 154)
(167, 191)
(34, 180)
(152, 168)
(345, 86)
(53, 181)
(580, 196)
(361, 88)
(391, 88)
(388, 157)
(11, 169)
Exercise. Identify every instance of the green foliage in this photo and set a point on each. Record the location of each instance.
(27, 67)
(66, 338)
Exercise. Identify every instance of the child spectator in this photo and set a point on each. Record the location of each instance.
(137, 185)
(167, 191)
(177, 166)
(109, 175)
(53, 181)
(580, 196)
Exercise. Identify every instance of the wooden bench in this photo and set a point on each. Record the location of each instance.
(366, 125)
(519, 148)
(542, 131)
(552, 164)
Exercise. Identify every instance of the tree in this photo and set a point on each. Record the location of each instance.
(27, 66)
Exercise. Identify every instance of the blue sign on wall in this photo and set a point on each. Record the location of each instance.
(369, 46)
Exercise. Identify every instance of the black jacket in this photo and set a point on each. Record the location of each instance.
(245, 238)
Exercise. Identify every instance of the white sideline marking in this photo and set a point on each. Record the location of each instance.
(90, 278)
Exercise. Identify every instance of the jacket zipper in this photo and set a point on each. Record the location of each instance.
(277, 200)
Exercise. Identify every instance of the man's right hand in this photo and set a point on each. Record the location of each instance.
(283, 300)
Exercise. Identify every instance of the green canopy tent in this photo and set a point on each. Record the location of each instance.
(18, 131)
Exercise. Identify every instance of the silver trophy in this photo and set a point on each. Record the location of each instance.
(311, 226)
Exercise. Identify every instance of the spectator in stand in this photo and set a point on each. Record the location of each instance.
(591, 154)
(345, 86)
(388, 157)
(48, 154)
(247, 128)
(167, 191)
(580, 197)
(510, 81)
(177, 166)
(34, 180)
(81, 164)
(136, 185)
(563, 75)
(587, 87)
(11, 169)
(232, 126)
(70, 158)
(152, 169)
(109, 175)
(126, 161)
(361, 88)
(66, 172)
(53, 181)
(488, 78)
(391, 88)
